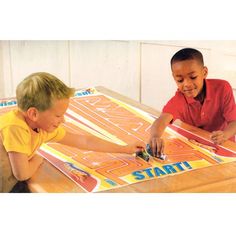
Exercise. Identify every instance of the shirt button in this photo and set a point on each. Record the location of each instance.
(203, 113)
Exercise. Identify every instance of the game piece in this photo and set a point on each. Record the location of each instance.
(143, 154)
(149, 151)
(162, 157)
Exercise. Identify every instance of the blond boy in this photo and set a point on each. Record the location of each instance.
(42, 101)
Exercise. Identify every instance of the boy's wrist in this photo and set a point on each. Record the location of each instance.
(155, 136)
(227, 135)
(127, 149)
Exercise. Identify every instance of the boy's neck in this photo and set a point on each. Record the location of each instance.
(201, 96)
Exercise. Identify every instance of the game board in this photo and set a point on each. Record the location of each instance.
(110, 119)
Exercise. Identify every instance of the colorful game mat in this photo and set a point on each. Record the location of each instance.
(91, 112)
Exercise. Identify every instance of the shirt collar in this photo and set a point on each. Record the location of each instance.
(209, 94)
(190, 100)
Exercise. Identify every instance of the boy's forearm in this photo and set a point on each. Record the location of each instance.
(100, 145)
(92, 143)
(23, 168)
(34, 164)
(157, 129)
(159, 125)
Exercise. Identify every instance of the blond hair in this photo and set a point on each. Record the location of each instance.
(40, 90)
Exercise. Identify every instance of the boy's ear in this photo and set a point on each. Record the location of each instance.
(205, 71)
(32, 113)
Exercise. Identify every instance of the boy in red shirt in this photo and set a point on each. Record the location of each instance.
(205, 103)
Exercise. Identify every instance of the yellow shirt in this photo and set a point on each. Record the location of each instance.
(17, 136)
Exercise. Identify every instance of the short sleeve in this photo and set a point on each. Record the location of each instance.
(172, 107)
(228, 106)
(55, 136)
(16, 139)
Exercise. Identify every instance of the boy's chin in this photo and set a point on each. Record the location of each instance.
(190, 95)
(50, 130)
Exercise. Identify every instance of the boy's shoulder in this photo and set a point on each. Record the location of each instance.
(12, 118)
(218, 85)
(177, 99)
(217, 82)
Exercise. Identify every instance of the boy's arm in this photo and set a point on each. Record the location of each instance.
(218, 137)
(23, 168)
(96, 144)
(157, 130)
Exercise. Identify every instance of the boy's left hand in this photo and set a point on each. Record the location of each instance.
(218, 137)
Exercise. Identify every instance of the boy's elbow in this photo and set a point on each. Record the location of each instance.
(21, 176)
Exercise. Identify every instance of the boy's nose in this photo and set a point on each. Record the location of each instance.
(187, 82)
(62, 119)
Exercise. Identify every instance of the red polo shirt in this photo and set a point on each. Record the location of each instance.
(217, 110)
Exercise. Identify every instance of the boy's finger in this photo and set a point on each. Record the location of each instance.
(214, 134)
(158, 149)
(139, 147)
(162, 147)
(154, 147)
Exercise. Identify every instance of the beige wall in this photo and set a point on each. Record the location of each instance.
(114, 64)
(1, 73)
(137, 69)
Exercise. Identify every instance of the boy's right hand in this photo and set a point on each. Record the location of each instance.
(157, 145)
(136, 146)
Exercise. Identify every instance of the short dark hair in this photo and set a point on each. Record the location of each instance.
(187, 54)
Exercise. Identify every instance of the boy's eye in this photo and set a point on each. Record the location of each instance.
(193, 78)
(180, 80)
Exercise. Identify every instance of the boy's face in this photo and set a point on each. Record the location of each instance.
(189, 76)
(50, 119)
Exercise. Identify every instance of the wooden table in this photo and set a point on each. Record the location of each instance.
(217, 178)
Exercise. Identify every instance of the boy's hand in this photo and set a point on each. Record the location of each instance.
(218, 137)
(137, 146)
(157, 144)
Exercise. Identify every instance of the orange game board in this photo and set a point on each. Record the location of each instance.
(110, 119)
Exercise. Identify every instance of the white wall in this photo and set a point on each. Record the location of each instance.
(137, 69)
(1, 73)
(114, 64)
(158, 85)
(31, 56)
